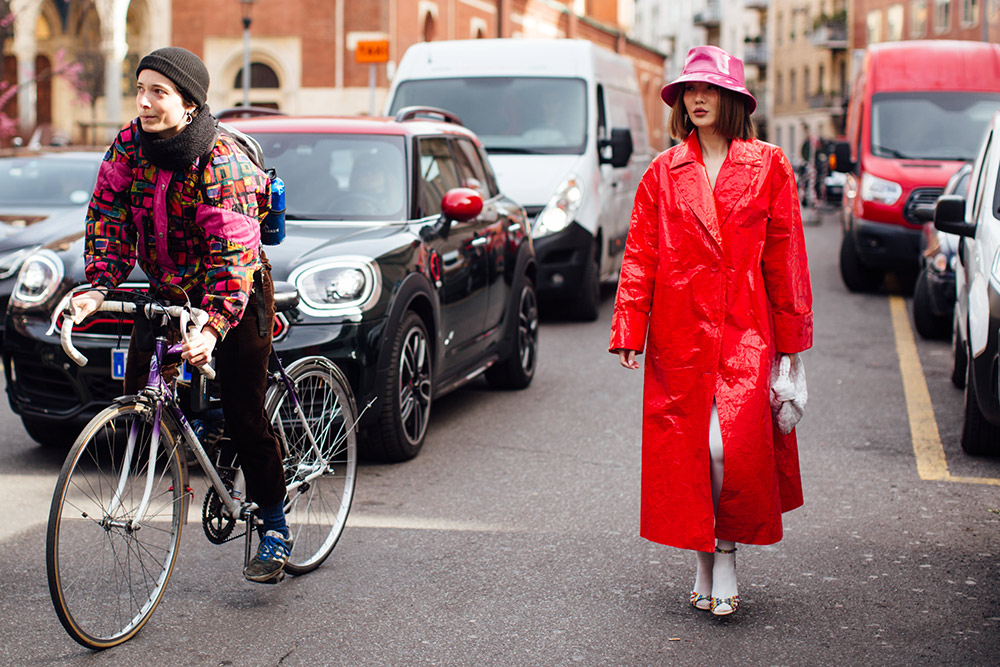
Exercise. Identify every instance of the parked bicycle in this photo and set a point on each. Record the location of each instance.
(122, 496)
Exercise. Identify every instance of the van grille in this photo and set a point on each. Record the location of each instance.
(920, 197)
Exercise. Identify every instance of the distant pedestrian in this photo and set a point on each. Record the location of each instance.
(715, 275)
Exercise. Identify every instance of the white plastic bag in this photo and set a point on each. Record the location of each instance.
(788, 391)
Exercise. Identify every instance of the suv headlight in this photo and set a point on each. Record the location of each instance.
(879, 190)
(337, 286)
(561, 209)
(40, 275)
(10, 262)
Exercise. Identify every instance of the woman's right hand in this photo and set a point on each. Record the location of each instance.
(86, 304)
(627, 359)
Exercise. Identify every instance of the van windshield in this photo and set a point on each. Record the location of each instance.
(930, 126)
(510, 114)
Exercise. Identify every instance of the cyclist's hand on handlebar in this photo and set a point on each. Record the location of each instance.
(198, 346)
(86, 304)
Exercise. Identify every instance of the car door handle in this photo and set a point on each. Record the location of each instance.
(479, 240)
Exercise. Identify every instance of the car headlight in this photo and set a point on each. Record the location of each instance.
(561, 209)
(41, 273)
(879, 190)
(337, 286)
(10, 262)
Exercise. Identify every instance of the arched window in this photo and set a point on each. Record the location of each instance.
(261, 76)
(429, 27)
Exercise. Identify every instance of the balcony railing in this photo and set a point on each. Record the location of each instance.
(710, 16)
(825, 101)
(756, 4)
(829, 35)
(755, 53)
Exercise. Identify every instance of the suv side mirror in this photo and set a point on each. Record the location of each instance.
(842, 157)
(949, 216)
(924, 212)
(618, 149)
(460, 204)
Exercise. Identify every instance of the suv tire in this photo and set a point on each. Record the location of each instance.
(49, 434)
(587, 306)
(517, 369)
(407, 393)
(959, 356)
(928, 325)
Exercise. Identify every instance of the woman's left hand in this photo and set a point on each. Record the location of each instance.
(198, 346)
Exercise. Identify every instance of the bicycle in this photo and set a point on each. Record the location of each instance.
(121, 499)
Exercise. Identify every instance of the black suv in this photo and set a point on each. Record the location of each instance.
(416, 274)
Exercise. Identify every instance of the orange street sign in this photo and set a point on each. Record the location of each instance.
(372, 52)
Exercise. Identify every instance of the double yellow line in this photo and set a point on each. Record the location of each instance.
(927, 447)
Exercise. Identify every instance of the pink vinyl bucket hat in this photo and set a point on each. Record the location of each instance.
(711, 65)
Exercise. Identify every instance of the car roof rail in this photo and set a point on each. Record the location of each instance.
(246, 112)
(409, 113)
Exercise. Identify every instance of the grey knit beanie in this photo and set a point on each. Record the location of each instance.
(184, 68)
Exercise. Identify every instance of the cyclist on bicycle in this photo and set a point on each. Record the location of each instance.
(198, 231)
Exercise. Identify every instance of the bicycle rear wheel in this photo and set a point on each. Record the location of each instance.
(320, 480)
(106, 573)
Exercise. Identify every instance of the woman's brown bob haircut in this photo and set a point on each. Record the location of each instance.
(734, 122)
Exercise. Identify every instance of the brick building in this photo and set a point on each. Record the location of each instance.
(302, 51)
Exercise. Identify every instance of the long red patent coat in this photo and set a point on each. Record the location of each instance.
(721, 284)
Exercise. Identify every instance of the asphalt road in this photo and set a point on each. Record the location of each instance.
(512, 539)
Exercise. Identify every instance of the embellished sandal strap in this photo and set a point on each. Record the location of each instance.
(725, 551)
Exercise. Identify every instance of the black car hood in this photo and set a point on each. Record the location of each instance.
(63, 221)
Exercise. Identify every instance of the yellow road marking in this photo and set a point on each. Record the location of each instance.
(927, 447)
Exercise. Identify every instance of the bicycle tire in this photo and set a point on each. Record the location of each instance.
(105, 576)
(317, 511)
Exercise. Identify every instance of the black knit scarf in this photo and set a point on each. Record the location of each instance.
(183, 149)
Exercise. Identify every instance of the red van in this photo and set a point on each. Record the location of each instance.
(918, 110)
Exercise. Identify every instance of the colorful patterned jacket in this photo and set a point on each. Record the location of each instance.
(158, 217)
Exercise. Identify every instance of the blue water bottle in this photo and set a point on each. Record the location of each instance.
(272, 232)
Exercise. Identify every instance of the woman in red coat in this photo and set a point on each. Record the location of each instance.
(715, 270)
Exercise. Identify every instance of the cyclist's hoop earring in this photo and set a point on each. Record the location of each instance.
(188, 118)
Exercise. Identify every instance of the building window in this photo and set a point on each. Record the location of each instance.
(791, 86)
(806, 82)
(429, 27)
(894, 23)
(779, 89)
(780, 28)
(970, 13)
(942, 16)
(821, 75)
(918, 18)
(261, 76)
(873, 24)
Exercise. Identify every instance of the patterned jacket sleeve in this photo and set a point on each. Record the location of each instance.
(229, 220)
(111, 237)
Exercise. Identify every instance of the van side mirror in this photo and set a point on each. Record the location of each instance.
(842, 157)
(949, 216)
(618, 149)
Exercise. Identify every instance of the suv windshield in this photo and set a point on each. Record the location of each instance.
(339, 176)
(47, 182)
(510, 115)
(930, 126)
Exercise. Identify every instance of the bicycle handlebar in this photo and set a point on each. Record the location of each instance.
(193, 316)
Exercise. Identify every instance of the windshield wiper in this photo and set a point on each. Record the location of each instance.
(893, 152)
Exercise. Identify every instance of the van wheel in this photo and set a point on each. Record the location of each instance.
(979, 436)
(406, 396)
(588, 302)
(928, 325)
(856, 276)
(518, 369)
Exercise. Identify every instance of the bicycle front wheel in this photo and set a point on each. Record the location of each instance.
(107, 566)
(319, 478)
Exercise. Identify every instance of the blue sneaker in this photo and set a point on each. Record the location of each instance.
(268, 566)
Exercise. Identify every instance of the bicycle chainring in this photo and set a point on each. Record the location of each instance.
(217, 525)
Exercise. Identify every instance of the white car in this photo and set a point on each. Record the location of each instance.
(977, 291)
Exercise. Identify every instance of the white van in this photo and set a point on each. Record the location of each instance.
(563, 123)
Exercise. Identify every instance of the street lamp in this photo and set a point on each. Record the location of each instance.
(246, 7)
